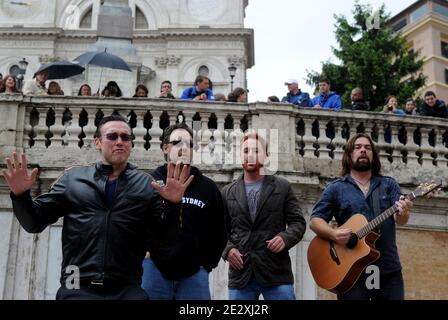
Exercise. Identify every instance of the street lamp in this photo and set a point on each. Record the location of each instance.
(232, 72)
(23, 64)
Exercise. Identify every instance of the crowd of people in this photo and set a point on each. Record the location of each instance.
(202, 90)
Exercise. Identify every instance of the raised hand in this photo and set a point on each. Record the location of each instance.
(17, 176)
(177, 181)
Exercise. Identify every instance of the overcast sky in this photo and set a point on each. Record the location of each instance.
(292, 36)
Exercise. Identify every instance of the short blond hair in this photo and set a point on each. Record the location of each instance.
(257, 137)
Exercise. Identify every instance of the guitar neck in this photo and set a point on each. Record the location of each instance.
(381, 218)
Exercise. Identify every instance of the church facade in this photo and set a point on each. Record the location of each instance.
(174, 40)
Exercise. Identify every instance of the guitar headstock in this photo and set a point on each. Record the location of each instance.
(428, 187)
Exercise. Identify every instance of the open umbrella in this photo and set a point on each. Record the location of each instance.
(103, 59)
(61, 69)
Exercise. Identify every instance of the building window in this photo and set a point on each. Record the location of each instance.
(203, 71)
(140, 19)
(440, 9)
(14, 70)
(446, 76)
(86, 20)
(399, 25)
(444, 47)
(419, 13)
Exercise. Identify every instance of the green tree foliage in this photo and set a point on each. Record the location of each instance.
(372, 58)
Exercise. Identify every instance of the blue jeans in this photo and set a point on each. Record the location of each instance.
(195, 287)
(253, 290)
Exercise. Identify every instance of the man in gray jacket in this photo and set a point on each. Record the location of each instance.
(264, 221)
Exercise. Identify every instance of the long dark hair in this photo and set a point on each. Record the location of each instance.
(347, 157)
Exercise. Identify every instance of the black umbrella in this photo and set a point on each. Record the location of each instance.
(61, 69)
(103, 59)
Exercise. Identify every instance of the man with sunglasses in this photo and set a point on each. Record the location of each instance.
(109, 210)
(181, 257)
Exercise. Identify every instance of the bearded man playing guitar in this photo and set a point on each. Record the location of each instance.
(362, 190)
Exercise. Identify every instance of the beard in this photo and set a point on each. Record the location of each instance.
(252, 167)
(362, 166)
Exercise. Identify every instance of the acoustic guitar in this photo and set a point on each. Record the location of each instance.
(337, 267)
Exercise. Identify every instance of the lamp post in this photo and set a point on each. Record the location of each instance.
(23, 64)
(232, 72)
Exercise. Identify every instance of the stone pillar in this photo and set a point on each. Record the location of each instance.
(115, 33)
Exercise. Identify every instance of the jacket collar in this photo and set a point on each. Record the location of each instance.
(240, 195)
(375, 181)
(106, 169)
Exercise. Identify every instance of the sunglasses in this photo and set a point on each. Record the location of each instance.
(114, 136)
(179, 143)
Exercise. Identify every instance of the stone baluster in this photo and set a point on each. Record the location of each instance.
(309, 139)
(27, 129)
(220, 139)
(426, 148)
(339, 141)
(382, 145)
(324, 141)
(90, 129)
(395, 143)
(41, 128)
(155, 131)
(206, 145)
(411, 146)
(441, 150)
(139, 131)
(73, 129)
(58, 129)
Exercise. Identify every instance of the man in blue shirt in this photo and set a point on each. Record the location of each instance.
(295, 95)
(360, 186)
(200, 91)
(326, 99)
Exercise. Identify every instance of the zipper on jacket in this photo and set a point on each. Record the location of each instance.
(109, 211)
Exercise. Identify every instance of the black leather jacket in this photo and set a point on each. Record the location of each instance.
(105, 243)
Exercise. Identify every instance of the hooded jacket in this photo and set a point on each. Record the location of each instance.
(331, 101)
(196, 237)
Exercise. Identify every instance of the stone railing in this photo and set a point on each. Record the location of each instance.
(61, 130)
(306, 147)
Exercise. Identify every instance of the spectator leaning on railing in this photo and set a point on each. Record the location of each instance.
(392, 106)
(295, 95)
(200, 91)
(433, 107)
(326, 99)
(410, 107)
(358, 102)
(9, 85)
(36, 86)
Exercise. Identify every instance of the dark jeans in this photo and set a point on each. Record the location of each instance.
(391, 288)
(126, 292)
